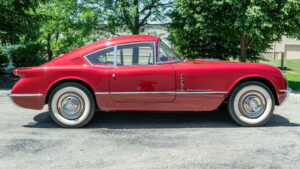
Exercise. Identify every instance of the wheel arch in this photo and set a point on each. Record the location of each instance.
(74, 80)
(263, 80)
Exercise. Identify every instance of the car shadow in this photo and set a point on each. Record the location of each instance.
(142, 120)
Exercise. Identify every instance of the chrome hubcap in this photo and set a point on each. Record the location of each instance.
(70, 105)
(252, 104)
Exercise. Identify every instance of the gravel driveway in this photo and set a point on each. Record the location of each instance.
(30, 139)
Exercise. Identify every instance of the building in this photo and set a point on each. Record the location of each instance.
(287, 48)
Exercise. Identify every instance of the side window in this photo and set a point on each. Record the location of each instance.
(103, 57)
(166, 55)
(135, 54)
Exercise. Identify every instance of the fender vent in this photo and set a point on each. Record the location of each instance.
(77, 61)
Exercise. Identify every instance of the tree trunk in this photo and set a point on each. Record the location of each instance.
(49, 53)
(243, 57)
(136, 31)
(136, 21)
(48, 47)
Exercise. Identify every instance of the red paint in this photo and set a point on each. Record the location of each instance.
(199, 76)
(187, 102)
(36, 102)
(145, 79)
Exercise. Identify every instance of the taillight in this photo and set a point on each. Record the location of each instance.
(21, 71)
(15, 72)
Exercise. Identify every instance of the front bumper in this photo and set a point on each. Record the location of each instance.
(283, 95)
(289, 90)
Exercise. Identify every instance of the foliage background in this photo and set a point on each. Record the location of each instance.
(232, 28)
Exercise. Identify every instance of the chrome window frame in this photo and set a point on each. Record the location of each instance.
(115, 48)
(85, 57)
(158, 51)
(123, 44)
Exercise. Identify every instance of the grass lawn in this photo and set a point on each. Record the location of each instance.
(292, 72)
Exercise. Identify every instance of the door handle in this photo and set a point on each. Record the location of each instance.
(113, 76)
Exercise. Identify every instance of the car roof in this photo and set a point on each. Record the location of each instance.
(103, 44)
(117, 40)
(129, 38)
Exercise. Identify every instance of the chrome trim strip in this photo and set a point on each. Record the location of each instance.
(207, 92)
(142, 92)
(25, 95)
(289, 90)
(169, 92)
(102, 93)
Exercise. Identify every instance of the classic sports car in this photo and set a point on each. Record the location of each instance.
(141, 73)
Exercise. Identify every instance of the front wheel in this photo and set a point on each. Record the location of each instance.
(71, 105)
(251, 104)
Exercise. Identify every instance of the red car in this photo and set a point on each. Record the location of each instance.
(141, 73)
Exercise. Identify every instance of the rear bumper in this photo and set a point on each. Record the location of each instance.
(30, 101)
(283, 95)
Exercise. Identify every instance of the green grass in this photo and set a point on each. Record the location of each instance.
(292, 72)
(294, 81)
(290, 64)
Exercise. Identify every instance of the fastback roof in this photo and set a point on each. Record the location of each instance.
(114, 41)
(102, 44)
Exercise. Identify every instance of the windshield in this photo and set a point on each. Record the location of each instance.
(166, 54)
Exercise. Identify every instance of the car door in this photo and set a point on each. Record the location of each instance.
(136, 77)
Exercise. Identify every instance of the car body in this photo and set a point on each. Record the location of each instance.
(118, 80)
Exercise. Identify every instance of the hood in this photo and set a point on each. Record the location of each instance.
(229, 64)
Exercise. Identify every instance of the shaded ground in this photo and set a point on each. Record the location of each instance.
(30, 139)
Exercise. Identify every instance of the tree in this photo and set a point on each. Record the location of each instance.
(3, 56)
(232, 28)
(70, 24)
(17, 21)
(19, 27)
(67, 26)
(27, 55)
(135, 14)
(132, 15)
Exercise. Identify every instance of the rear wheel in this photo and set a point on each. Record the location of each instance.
(71, 105)
(251, 104)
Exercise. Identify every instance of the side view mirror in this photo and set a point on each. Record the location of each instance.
(163, 58)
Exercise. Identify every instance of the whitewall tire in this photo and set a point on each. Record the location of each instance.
(71, 105)
(251, 104)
